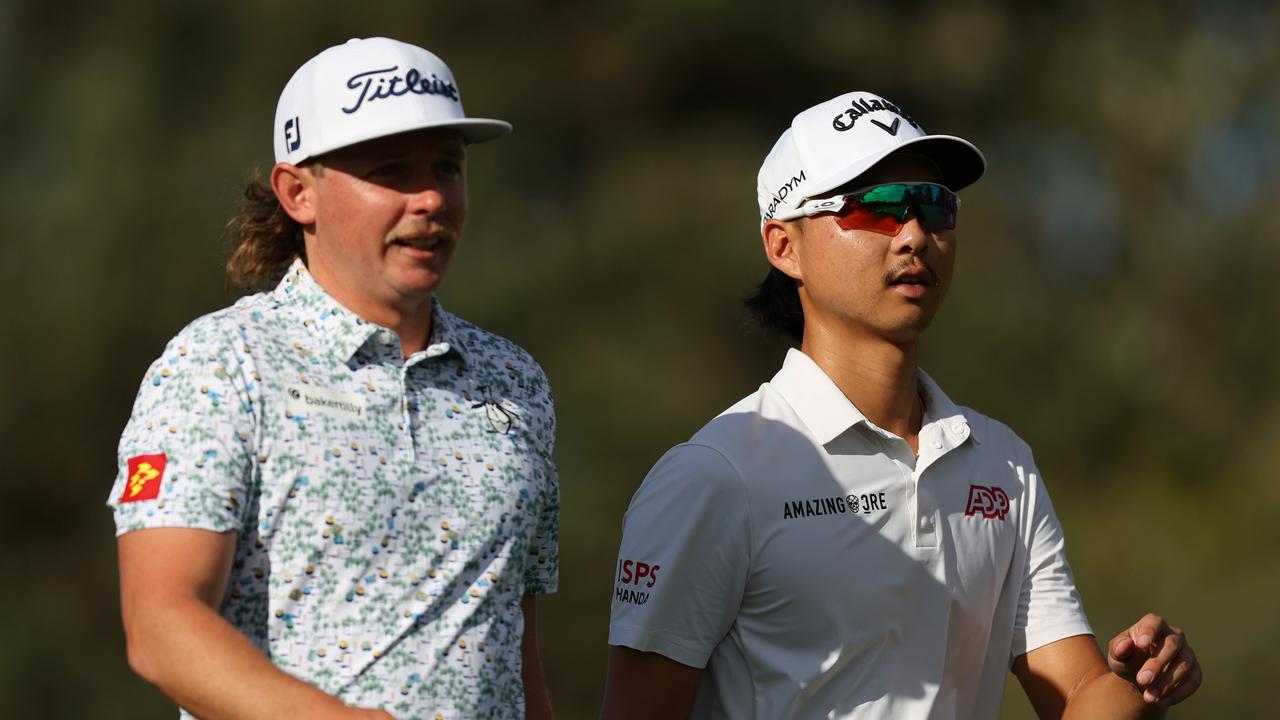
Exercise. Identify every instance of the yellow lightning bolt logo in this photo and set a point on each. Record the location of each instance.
(145, 474)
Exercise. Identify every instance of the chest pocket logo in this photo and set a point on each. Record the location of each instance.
(304, 399)
(500, 418)
(991, 502)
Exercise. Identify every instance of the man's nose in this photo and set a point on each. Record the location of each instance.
(912, 238)
(426, 201)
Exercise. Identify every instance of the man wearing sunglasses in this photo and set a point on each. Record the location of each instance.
(847, 542)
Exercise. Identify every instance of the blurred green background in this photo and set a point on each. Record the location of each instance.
(1116, 298)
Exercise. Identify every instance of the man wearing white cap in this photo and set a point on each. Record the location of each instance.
(335, 498)
(846, 542)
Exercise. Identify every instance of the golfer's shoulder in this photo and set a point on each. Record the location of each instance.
(219, 332)
(995, 439)
(720, 455)
(496, 362)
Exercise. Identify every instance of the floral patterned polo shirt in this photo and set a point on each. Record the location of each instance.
(391, 513)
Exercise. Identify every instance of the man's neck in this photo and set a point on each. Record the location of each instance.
(412, 324)
(410, 320)
(879, 377)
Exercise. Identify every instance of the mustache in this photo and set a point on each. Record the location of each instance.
(432, 230)
(910, 264)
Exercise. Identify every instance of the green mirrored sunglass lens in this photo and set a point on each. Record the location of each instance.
(887, 194)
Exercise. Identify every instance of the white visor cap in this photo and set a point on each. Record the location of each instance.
(836, 141)
(370, 88)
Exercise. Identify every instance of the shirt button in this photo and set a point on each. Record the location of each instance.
(937, 444)
(957, 428)
(926, 523)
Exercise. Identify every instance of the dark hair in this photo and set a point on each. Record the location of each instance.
(266, 240)
(775, 305)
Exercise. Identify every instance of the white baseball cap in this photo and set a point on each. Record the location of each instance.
(369, 88)
(836, 141)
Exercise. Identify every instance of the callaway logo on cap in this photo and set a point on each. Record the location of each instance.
(836, 141)
(366, 89)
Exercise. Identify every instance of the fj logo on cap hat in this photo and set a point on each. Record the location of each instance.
(385, 86)
(292, 134)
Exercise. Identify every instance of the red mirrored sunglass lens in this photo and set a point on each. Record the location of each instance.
(856, 217)
(886, 208)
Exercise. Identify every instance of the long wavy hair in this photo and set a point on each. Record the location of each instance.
(265, 241)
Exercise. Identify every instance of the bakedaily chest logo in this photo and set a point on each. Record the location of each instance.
(306, 399)
(864, 504)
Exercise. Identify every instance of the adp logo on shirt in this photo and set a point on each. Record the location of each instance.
(992, 502)
(633, 575)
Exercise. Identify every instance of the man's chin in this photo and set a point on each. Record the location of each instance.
(909, 329)
(415, 283)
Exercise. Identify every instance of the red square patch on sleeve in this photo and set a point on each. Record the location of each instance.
(145, 474)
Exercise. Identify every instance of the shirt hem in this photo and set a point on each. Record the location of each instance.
(660, 642)
(169, 522)
(1052, 634)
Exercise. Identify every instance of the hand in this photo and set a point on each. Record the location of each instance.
(1155, 656)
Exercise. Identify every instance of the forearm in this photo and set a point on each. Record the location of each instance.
(647, 685)
(537, 705)
(1109, 696)
(208, 667)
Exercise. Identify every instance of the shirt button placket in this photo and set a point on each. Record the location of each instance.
(407, 401)
(925, 526)
(407, 409)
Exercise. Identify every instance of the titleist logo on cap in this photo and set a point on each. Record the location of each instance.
(383, 83)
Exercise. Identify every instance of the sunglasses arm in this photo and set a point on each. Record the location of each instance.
(813, 208)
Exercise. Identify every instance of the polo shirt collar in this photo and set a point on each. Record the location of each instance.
(940, 410)
(815, 397)
(824, 409)
(342, 332)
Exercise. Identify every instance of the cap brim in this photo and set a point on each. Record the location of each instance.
(478, 130)
(959, 161)
(473, 130)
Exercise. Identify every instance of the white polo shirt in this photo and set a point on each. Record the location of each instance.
(816, 568)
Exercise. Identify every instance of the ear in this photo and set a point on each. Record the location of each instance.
(780, 247)
(295, 189)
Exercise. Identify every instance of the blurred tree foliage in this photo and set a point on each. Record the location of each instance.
(1116, 299)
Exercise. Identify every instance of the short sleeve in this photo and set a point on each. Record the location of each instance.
(542, 573)
(1049, 606)
(683, 563)
(186, 458)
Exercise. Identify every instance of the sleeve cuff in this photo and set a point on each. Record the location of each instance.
(127, 522)
(1051, 634)
(678, 649)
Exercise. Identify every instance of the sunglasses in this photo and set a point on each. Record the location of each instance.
(884, 209)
